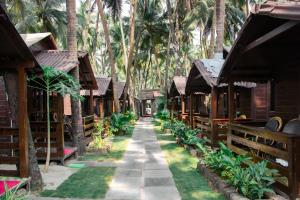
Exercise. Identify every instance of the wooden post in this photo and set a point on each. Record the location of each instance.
(101, 108)
(23, 125)
(113, 106)
(213, 115)
(192, 110)
(294, 167)
(172, 107)
(91, 102)
(231, 109)
(182, 105)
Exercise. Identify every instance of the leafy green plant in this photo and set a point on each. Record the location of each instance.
(166, 125)
(252, 181)
(121, 123)
(99, 127)
(100, 144)
(51, 81)
(12, 194)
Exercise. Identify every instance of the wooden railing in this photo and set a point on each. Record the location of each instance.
(88, 125)
(39, 134)
(262, 144)
(9, 150)
(213, 129)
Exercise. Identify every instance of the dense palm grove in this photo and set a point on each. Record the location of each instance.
(142, 42)
(166, 37)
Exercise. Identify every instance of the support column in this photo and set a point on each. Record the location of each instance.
(231, 107)
(213, 115)
(113, 106)
(182, 105)
(172, 107)
(23, 125)
(101, 108)
(192, 110)
(91, 102)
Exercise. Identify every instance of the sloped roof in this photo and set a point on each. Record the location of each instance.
(204, 74)
(120, 89)
(104, 87)
(266, 44)
(33, 38)
(178, 86)
(59, 59)
(13, 48)
(149, 94)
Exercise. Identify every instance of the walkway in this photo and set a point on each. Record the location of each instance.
(144, 173)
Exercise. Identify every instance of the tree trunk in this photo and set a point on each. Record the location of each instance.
(110, 53)
(131, 49)
(11, 86)
(211, 49)
(173, 36)
(168, 62)
(87, 25)
(220, 19)
(96, 37)
(123, 42)
(77, 128)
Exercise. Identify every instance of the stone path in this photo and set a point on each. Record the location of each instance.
(143, 173)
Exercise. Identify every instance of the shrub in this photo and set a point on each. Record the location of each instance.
(100, 144)
(252, 181)
(121, 123)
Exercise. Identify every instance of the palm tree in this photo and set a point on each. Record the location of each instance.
(110, 53)
(130, 56)
(220, 20)
(39, 16)
(78, 137)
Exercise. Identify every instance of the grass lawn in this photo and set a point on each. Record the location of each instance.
(190, 184)
(92, 182)
(119, 144)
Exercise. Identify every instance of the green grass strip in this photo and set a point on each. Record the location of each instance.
(190, 184)
(87, 183)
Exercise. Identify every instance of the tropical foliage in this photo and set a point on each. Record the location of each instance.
(252, 180)
(54, 81)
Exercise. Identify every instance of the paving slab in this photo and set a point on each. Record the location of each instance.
(143, 173)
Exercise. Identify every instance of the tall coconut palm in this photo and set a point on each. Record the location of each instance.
(110, 53)
(220, 20)
(130, 55)
(77, 128)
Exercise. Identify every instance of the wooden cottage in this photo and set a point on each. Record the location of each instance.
(147, 99)
(178, 98)
(103, 105)
(16, 58)
(267, 51)
(44, 49)
(208, 101)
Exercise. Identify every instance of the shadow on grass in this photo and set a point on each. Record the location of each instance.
(92, 183)
(190, 184)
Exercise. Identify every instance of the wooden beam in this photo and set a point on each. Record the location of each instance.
(275, 32)
(23, 125)
(182, 105)
(101, 108)
(91, 102)
(231, 110)
(16, 64)
(191, 110)
(213, 115)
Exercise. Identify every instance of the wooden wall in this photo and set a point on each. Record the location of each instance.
(260, 102)
(287, 99)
